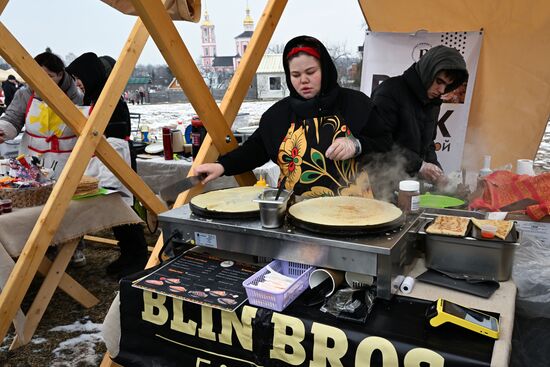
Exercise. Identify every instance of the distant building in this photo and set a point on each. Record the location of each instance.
(270, 78)
(224, 64)
(217, 70)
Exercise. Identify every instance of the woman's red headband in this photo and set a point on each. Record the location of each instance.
(308, 50)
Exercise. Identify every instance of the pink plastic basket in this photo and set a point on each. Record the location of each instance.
(274, 300)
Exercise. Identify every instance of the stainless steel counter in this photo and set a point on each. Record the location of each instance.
(384, 255)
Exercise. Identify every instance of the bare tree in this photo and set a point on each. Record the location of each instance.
(276, 48)
(342, 60)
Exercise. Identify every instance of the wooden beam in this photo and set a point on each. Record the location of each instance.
(3, 4)
(363, 5)
(17, 56)
(45, 293)
(90, 136)
(233, 97)
(107, 241)
(163, 31)
(240, 82)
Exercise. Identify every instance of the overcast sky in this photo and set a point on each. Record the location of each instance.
(79, 26)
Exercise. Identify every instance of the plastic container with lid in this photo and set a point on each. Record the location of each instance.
(488, 231)
(408, 198)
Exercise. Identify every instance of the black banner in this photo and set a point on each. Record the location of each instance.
(161, 331)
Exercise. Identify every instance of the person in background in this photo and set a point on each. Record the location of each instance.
(45, 133)
(91, 73)
(410, 105)
(316, 135)
(141, 92)
(9, 86)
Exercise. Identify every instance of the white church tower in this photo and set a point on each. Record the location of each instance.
(243, 39)
(208, 41)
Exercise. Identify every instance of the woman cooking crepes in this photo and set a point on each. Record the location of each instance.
(316, 135)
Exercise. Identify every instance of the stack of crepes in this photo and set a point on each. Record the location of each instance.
(88, 185)
(502, 188)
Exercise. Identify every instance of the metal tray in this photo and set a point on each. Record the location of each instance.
(491, 259)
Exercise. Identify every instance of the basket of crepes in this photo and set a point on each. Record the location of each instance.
(25, 194)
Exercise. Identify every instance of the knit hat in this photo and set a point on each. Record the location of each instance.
(11, 77)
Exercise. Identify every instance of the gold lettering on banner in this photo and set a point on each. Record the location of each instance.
(242, 327)
(322, 354)
(154, 310)
(206, 331)
(422, 355)
(177, 323)
(199, 360)
(372, 343)
(281, 339)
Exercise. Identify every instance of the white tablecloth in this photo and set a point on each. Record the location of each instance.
(158, 173)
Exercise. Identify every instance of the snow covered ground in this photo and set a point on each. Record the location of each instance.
(160, 115)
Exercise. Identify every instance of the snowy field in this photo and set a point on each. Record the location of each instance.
(159, 115)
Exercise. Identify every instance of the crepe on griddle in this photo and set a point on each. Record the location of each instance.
(345, 211)
(449, 225)
(503, 226)
(233, 200)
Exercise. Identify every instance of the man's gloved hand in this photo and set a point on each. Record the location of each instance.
(431, 172)
(343, 148)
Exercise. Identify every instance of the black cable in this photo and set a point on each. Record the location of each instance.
(175, 234)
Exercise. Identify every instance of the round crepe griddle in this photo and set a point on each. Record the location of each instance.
(348, 230)
(329, 222)
(227, 196)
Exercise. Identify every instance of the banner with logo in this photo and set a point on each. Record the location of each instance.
(390, 54)
(157, 330)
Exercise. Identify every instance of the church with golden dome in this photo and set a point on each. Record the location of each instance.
(211, 62)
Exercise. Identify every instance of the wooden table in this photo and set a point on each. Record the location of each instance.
(82, 217)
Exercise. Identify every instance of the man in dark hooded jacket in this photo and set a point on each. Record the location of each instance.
(410, 105)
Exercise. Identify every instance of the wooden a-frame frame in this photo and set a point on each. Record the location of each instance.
(152, 19)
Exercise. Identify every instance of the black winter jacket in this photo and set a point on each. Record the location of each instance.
(355, 108)
(411, 117)
(91, 71)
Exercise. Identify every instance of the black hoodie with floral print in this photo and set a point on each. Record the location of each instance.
(353, 107)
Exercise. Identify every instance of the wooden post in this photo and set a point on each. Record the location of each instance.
(3, 4)
(240, 82)
(363, 6)
(233, 98)
(90, 136)
(163, 31)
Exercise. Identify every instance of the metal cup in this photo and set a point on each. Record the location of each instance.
(272, 212)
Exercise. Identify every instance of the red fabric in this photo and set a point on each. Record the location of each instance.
(537, 212)
(308, 50)
(502, 188)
